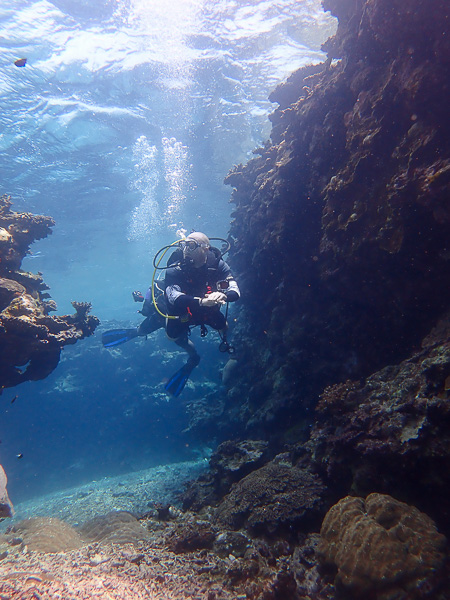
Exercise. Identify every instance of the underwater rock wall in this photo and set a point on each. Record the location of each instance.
(30, 339)
(340, 226)
(390, 432)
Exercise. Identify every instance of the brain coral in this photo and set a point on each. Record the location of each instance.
(118, 527)
(47, 534)
(382, 548)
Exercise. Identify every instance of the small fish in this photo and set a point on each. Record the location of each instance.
(20, 62)
(20, 455)
(14, 399)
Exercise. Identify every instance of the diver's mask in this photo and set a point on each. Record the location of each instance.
(194, 252)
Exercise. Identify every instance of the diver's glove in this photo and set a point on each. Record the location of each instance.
(138, 296)
(213, 299)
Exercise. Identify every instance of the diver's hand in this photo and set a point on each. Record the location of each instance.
(138, 296)
(214, 299)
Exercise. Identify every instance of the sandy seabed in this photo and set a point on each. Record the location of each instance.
(144, 570)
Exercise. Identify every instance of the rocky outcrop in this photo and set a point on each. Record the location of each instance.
(231, 461)
(273, 499)
(30, 339)
(391, 433)
(340, 226)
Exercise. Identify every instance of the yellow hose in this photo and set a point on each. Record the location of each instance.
(153, 281)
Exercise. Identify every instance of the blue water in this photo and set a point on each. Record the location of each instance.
(122, 126)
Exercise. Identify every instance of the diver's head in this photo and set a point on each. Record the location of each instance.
(195, 248)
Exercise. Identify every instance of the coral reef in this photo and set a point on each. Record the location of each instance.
(340, 241)
(196, 556)
(382, 547)
(30, 339)
(183, 557)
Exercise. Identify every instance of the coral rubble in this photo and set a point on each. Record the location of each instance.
(184, 557)
(30, 339)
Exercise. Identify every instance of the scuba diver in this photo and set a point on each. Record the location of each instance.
(197, 283)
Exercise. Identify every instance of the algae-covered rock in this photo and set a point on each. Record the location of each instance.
(272, 498)
(340, 225)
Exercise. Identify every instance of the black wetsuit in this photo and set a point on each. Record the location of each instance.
(183, 286)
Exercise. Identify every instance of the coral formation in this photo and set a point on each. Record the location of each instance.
(382, 547)
(276, 496)
(30, 340)
(118, 527)
(231, 461)
(190, 537)
(47, 535)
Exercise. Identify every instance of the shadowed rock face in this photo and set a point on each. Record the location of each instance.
(340, 246)
(391, 433)
(340, 226)
(30, 339)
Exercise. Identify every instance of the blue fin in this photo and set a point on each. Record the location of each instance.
(176, 383)
(114, 337)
